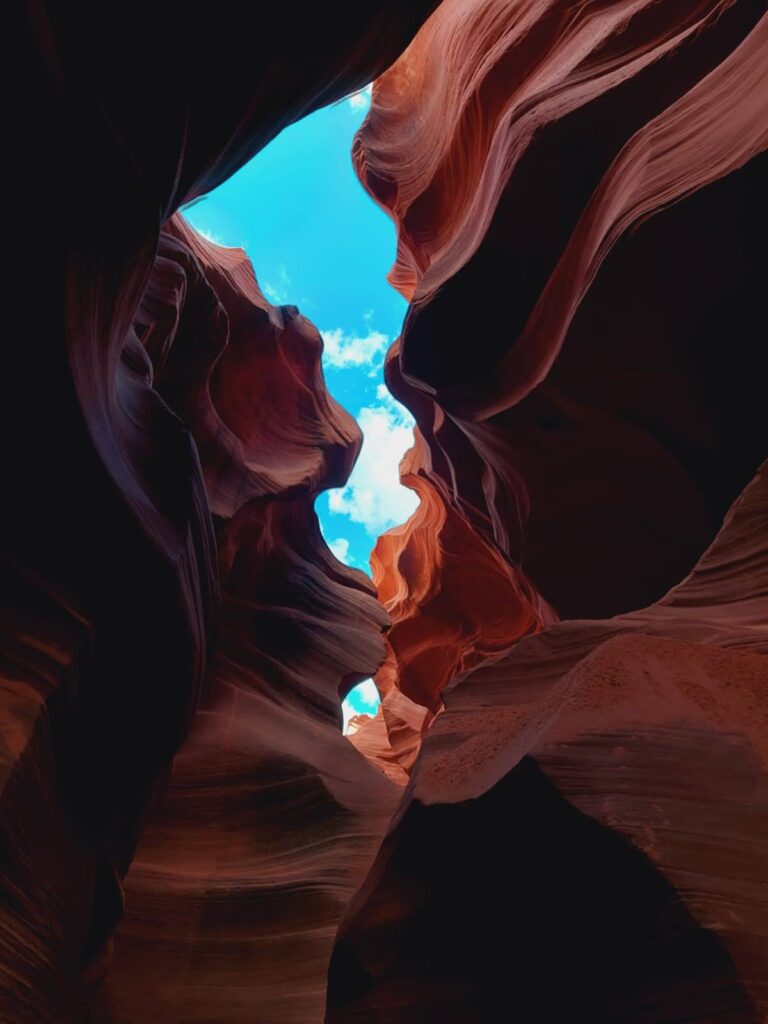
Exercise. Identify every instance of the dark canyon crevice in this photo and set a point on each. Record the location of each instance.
(559, 810)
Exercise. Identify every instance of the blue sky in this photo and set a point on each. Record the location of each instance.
(317, 241)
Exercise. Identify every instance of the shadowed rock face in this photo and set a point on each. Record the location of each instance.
(558, 812)
(603, 785)
(270, 817)
(573, 189)
(579, 216)
(128, 427)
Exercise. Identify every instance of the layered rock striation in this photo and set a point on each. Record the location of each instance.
(120, 445)
(270, 818)
(574, 209)
(573, 187)
(558, 813)
(602, 787)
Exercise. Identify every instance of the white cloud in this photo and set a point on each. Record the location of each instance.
(277, 293)
(362, 699)
(374, 496)
(367, 693)
(216, 239)
(343, 350)
(340, 549)
(360, 100)
(347, 711)
(213, 236)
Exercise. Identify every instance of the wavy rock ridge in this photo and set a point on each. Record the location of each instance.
(225, 859)
(597, 782)
(593, 171)
(130, 429)
(558, 811)
(602, 784)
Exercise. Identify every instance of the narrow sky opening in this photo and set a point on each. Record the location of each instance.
(318, 241)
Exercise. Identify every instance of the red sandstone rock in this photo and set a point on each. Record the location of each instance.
(574, 192)
(604, 787)
(575, 189)
(453, 597)
(109, 561)
(267, 802)
(575, 210)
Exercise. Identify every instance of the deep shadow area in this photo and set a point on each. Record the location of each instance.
(647, 426)
(517, 907)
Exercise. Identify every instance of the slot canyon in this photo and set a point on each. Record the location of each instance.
(559, 811)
